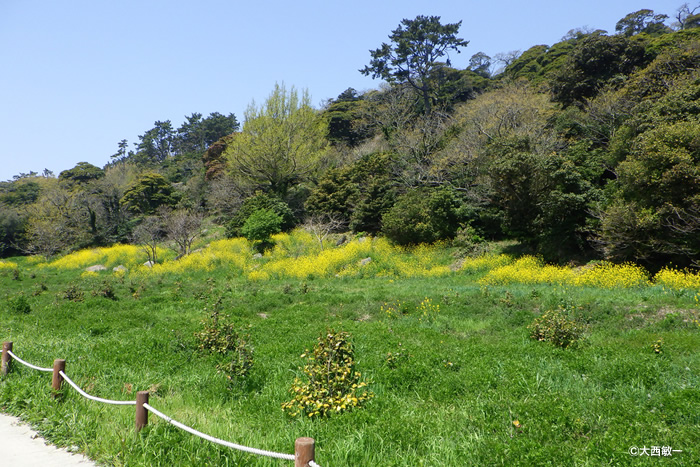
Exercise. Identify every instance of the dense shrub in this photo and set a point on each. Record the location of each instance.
(554, 326)
(260, 201)
(422, 216)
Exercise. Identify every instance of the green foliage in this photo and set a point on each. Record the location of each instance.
(556, 327)
(345, 116)
(148, 193)
(11, 228)
(73, 294)
(641, 21)
(18, 304)
(334, 386)
(654, 215)
(422, 216)
(282, 143)
(596, 61)
(223, 338)
(261, 225)
(259, 202)
(80, 175)
(19, 193)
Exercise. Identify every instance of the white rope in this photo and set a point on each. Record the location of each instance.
(259, 452)
(97, 399)
(313, 464)
(27, 364)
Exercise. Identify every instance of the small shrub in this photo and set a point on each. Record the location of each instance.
(105, 290)
(73, 294)
(221, 337)
(555, 327)
(241, 359)
(333, 384)
(19, 305)
(16, 275)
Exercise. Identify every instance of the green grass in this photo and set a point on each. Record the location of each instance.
(471, 372)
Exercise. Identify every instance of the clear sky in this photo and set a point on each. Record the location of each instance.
(78, 76)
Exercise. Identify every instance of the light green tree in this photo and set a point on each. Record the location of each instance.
(281, 144)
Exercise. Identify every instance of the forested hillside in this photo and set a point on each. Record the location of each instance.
(588, 148)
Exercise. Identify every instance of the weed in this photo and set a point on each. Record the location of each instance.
(221, 337)
(395, 309)
(397, 358)
(428, 310)
(16, 275)
(658, 346)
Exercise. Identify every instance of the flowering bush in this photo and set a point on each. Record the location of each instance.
(333, 384)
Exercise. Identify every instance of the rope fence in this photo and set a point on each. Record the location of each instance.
(304, 448)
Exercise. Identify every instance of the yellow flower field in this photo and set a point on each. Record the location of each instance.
(299, 255)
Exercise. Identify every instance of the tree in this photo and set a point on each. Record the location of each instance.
(80, 175)
(197, 134)
(281, 144)
(417, 46)
(260, 226)
(641, 21)
(157, 143)
(182, 227)
(147, 193)
(687, 17)
(422, 216)
(149, 233)
(260, 201)
(480, 63)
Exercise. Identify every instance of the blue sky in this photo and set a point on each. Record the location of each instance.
(79, 76)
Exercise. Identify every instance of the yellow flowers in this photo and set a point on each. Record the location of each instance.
(297, 255)
(7, 265)
(531, 270)
(677, 280)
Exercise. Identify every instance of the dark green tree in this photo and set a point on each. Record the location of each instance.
(597, 61)
(416, 52)
(156, 145)
(641, 21)
(148, 193)
(422, 216)
(80, 175)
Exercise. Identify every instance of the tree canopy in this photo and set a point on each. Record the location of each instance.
(414, 55)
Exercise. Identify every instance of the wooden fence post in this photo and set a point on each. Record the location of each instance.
(141, 412)
(57, 381)
(5, 366)
(304, 451)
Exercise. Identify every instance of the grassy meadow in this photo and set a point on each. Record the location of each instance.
(443, 344)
